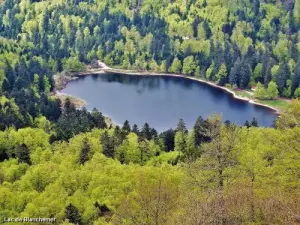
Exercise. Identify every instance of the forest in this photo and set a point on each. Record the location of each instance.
(215, 173)
(57, 161)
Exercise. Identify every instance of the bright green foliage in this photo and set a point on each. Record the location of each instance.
(72, 65)
(146, 204)
(270, 93)
(297, 93)
(244, 166)
(198, 72)
(2, 76)
(274, 71)
(257, 72)
(35, 85)
(191, 148)
(287, 91)
(222, 74)
(176, 66)
(189, 65)
(129, 150)
(47, 85)
(260, 91)
(281, 50)
(291, 117)
(272, 90)
(65, 163)
(297, 10)
(180, 142)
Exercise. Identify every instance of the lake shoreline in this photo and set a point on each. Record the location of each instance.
(104, 69)
(79, 104)
(234, 95)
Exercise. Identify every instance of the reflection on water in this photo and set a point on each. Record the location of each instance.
(162, 101)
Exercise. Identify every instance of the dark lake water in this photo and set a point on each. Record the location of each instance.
(162, 101)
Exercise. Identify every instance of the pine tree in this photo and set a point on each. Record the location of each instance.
(107, 145)
(234, 73)
(72, 214)
(207, 29)
(146, 132)
(102, 209)
(98, 119)
(200, 131)
(168, 140)
(144, 152)
(85, 150)
(118, 136)
(245, 73)
(45, 22)
(254, 122)
(69, 107)
(135, 129)
(6, 86)
(247, 124)
(181, 126)
(126, 127)
(23, 154)
(296, 78)
(266, 70)
(282, 76)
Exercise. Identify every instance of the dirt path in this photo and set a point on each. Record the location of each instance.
(103, 65)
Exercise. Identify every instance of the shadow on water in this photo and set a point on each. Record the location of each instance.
(162, 101)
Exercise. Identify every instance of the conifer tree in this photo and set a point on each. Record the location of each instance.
(102, 209)
(181, 126)
(200, 131)
(135, 129)
(85, 150)
(244, 75)
(98, 119)
(23, 154)
(146, 132)
(126, 127)
(234, 73)
(282, 76)
(168, 139)
(108, 145)
(72, 214)
(254, 122)
(296, 78)
(247, 124)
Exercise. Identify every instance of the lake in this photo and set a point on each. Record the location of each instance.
(162, 101)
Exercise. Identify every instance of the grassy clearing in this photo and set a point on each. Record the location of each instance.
(243, 94)
(280, 104)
